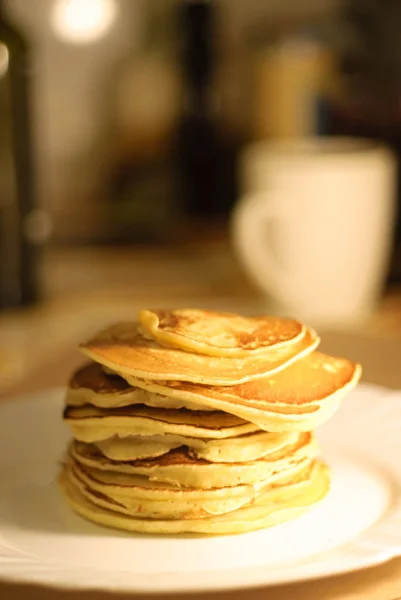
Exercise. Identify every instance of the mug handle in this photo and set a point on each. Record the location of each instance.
(248, 228)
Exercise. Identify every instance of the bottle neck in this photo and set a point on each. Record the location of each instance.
(4, 14)
(197, 54)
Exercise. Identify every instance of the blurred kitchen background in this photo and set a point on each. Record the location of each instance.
(131, 121)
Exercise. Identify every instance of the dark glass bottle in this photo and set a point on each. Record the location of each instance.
(370, 103)
(18, 285)
(206, 149)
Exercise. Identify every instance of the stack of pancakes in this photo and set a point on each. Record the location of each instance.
(195, 421)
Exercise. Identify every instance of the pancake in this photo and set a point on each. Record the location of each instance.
(168, 509)
(91, 424)
(299, 398)
(90, 384)
(122, 349)
(135, 447)
(243, 448)
(139, 486)
(139, 497)
(179, 468)
(218, 334)
(270, 508)
(192, 421)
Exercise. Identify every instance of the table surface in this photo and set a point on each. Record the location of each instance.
(37, 350)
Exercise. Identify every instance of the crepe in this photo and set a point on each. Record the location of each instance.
(242, 448)
(274, 506)
(91, 424)
(219, 334)
(124, 350)
(180, 468)
(298, 398)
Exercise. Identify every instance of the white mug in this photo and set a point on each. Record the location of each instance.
(314, 226)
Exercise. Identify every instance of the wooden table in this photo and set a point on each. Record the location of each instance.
(76, 312)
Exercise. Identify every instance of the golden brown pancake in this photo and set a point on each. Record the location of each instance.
(127, 484)
(91, 385)
(91, 424)
(196, 421)
(142, 498)
(218, 334)
(122, 349)
(270, 508)
(92, 376)
(298, 398)
(159, 501)
(180, 468)
(242, 448)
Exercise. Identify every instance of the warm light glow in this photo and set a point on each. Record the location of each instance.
(4, 58)
(83, 21)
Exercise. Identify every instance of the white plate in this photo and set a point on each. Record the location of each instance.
(357, 525)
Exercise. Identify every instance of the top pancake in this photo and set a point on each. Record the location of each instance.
(124, 350)
(218, 334)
